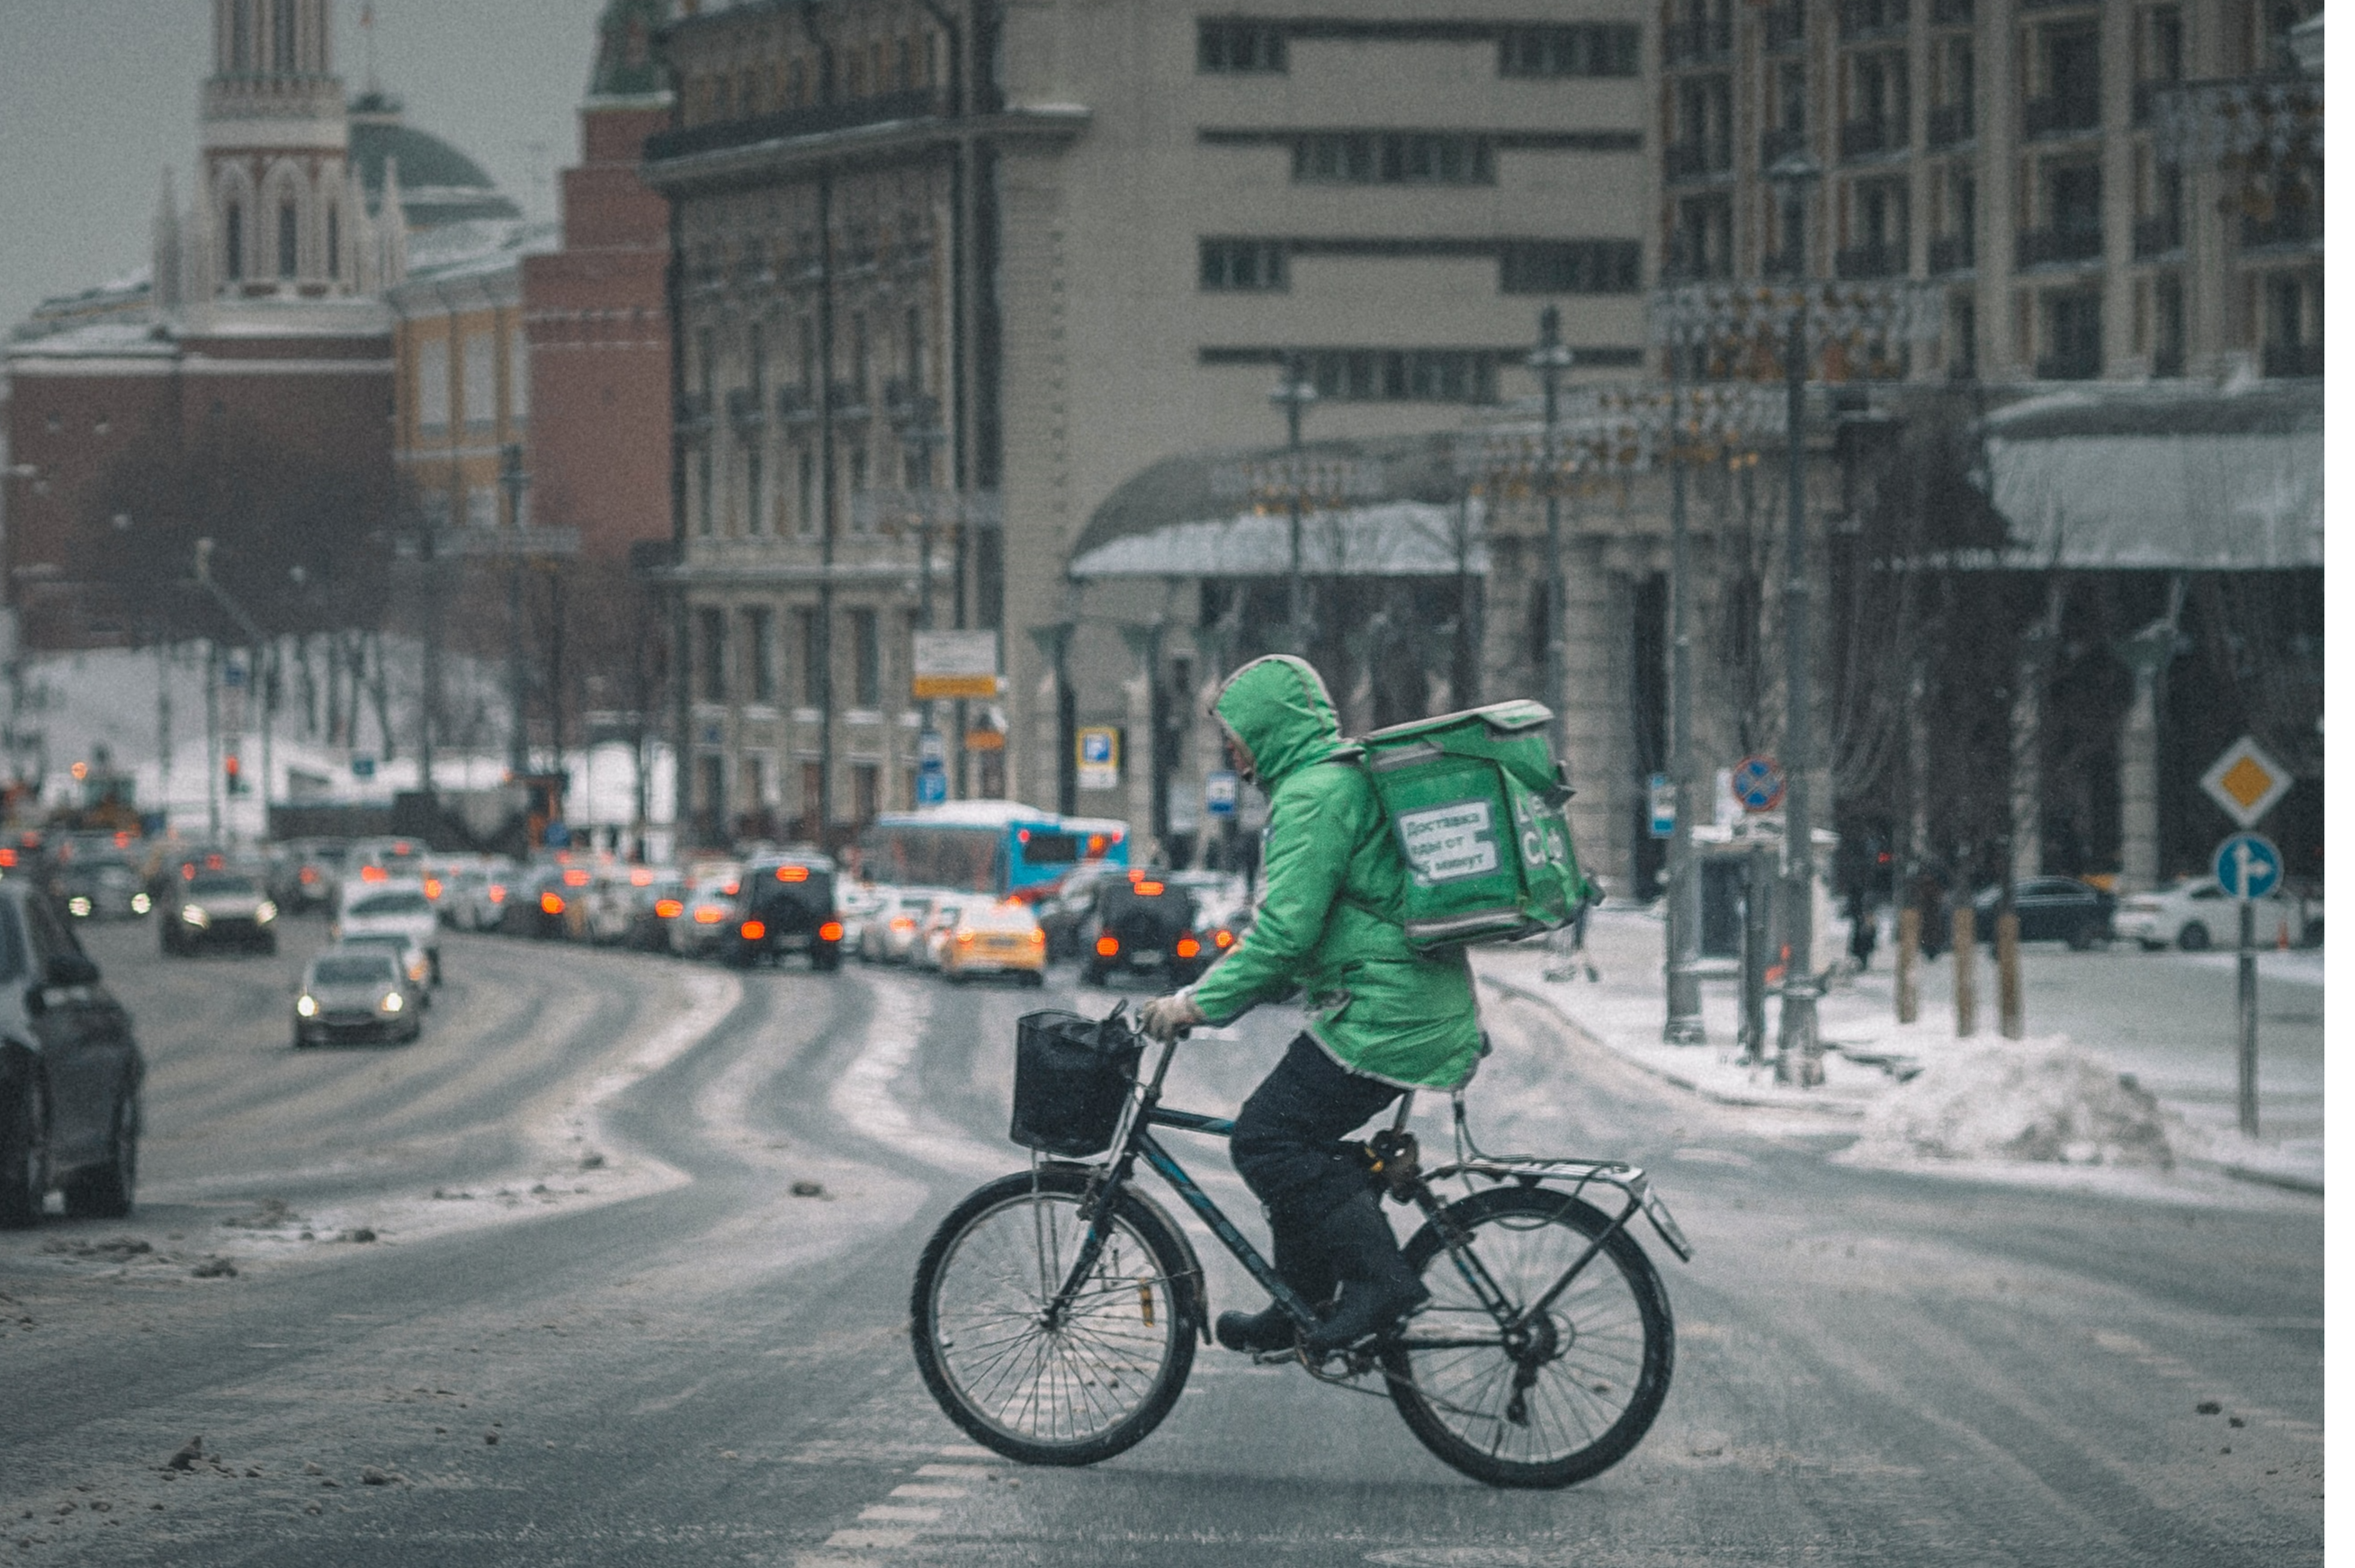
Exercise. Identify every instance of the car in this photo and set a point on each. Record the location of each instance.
(355, 992)
(409, 956)
(933, 926)
(995, 938)
(2050, 909)
(892, 934)
(1143, 922)
(856, 903)
(2195, 913)
(1064, 911)
(786, 905)
(71, 1071)
(216, 909)
(381, 908)
(533, 901)
(387, 859)
(104, 886)
(702, 925)
(305, 874)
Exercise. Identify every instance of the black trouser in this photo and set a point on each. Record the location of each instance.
(1287, 1147)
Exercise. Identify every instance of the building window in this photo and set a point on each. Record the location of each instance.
(867, 646)
(711, 781)
(760, 653)
(813, 800)
(282, 36)
(866, 792)
(290, 251)
(1230, 48)
(712, 643)
(1244, 266)
(755, 498)
(857, 465)
(479, 394)
(1963, 337)
(1402, 376)
(813, 641)
(2072, 337)
(483, 506)
(1571, 267)
(806, 486)
(240, 35)
(433, 386)
(2167, 326)
(1592, 51)
(233, 241)
(1394, 157)
(1704, 238)
(335, 244)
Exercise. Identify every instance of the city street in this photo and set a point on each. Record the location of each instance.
(659, 1314)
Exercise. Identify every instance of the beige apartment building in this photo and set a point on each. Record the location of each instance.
(960, 275)
(2105, 189)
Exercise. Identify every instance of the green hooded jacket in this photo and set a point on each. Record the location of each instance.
(1330, 921)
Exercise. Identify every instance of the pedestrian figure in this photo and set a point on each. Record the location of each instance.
(1863, 930)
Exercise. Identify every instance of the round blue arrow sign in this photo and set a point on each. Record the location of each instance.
(2248, 865)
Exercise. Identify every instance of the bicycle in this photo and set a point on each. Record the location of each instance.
(1055, 1310)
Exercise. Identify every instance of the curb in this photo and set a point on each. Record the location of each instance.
(1793, 1100)
(2287, 1181)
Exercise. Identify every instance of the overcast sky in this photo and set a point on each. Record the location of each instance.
(97, 97)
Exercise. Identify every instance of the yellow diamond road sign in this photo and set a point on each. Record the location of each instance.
(2246, 781)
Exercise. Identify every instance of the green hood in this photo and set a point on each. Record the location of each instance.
(1277, 706)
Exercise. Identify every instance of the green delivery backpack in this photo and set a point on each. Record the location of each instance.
(1476, 800)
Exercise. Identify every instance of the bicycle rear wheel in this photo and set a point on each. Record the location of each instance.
(1585, 1385)
(1067, 1392)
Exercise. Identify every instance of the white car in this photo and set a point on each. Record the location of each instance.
(390, 908)
(889, 935)
(2195, 913)
(856, 904)
(936, 926)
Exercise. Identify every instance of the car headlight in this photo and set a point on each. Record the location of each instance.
(192, 915)
(306, 1006)
(267, 912)
(78, 906)
(140, 903)
(391, 1003)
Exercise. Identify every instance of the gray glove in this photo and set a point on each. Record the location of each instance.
(1166, 1018)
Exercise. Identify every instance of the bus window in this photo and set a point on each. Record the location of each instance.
(1040, 847)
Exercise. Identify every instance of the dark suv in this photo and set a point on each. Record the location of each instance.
(1142, 923)
(786, 904)
(69, 1071)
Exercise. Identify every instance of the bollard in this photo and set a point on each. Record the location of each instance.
(2011, 1009)
(1909, 953)
(2247, 999)
(1967, 963)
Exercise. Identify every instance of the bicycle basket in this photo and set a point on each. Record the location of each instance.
(1070, 1075)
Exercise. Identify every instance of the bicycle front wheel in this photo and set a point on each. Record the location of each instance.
(1040, 1388)
(1570, 1396)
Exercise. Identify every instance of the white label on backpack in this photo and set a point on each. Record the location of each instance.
(1449, 843)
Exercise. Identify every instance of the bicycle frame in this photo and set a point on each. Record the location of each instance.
(1515, 1328)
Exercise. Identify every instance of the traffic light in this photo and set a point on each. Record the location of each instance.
(233, 772)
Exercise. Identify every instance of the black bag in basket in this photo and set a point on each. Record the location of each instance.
(1070, 1076)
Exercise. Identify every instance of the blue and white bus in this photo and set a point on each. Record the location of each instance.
(996, 847)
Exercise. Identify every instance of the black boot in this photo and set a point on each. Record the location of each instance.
(1377, 1288)
(1301, 1261)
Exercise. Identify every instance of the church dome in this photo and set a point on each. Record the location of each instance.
(438, 183)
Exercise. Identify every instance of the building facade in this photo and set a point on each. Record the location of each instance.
(982, 266)
(2039, 161)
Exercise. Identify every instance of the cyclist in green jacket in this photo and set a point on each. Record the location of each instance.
(1382, 1018)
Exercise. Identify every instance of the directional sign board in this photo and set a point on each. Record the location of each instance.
(954, 664)
(932, 782)
(1758, 783)
(1663, 796)
(2248, 865)
(2245, 782)
(1220, 790)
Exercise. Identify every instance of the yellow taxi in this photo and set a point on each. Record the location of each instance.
(1001, 938)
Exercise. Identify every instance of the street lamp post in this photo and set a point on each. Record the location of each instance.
(1684, 1025)
(1550, 360)
(1799, 1050)
(514, 480)
(1295, 394)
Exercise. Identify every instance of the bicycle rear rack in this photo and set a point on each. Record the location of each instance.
(1529, 1169)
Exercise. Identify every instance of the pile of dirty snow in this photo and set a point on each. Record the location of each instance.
(2043, 1101)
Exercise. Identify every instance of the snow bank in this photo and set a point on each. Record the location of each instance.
(2042, 1100)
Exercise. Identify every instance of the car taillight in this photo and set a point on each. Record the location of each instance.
(310, 874)
(551, 903)
(432, 887)
(498, 895)
(903, 922)
(1150, 890)
(667, 909)
(830, 932)
(1107, 945)
(1224, 938)
(710, 914)
(372, 873)
(576, 877)
(1188, 948)
(641, 878)
(753, 930)
(792, 873)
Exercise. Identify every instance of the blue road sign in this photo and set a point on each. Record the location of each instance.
(1220, 790)
(363, 767)
(932, 782)
(2248, 865)
(1664, 807)
(1758, 783)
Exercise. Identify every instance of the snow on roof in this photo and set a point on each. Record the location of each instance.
(478, 245)
(996, 814)
(1396, 538)
(110, 339)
